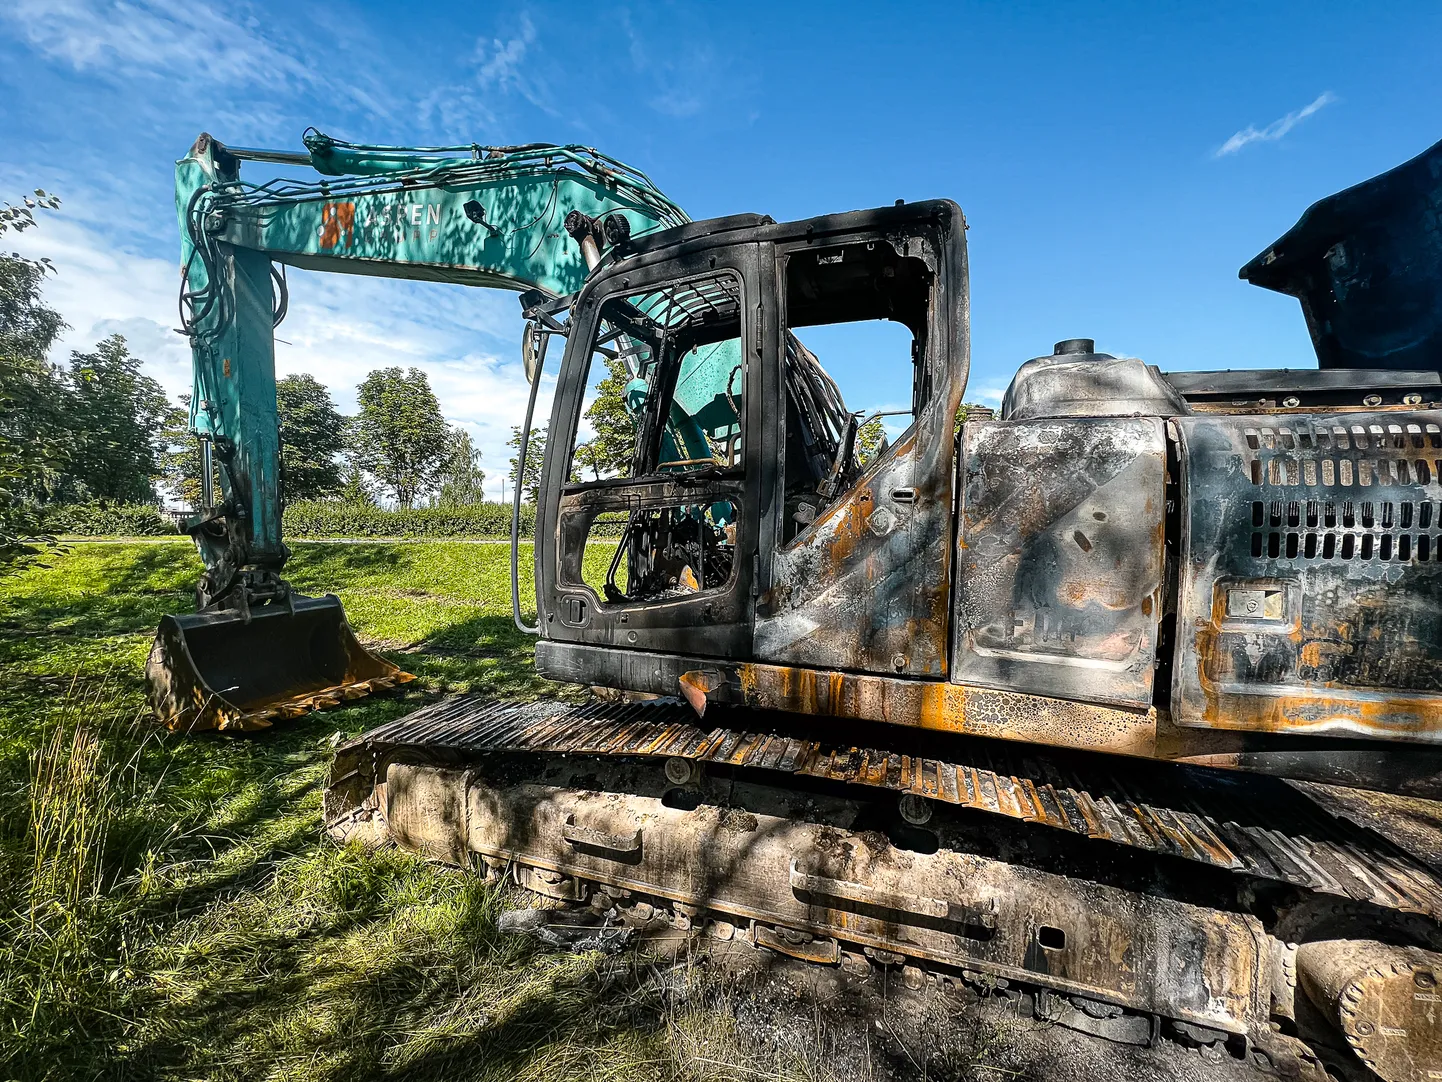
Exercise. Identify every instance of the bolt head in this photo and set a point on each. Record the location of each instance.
(678, 770)
(914, 809)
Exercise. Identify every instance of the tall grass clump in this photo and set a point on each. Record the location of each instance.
(60, 956)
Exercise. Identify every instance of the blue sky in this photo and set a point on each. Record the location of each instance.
(1117, 164)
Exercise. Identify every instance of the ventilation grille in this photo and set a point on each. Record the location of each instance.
(1398, 454)
(1359, 457)
(1406, 530)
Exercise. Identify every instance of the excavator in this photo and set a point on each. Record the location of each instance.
(1122, 703)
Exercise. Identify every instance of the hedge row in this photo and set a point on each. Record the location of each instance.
(110, 520)
(310, 518)
(318, 518)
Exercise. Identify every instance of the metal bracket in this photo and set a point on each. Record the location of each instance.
(600, 839)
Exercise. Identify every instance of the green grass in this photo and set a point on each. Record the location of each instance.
(168, 908)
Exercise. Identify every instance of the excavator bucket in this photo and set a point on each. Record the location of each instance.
(222, 670)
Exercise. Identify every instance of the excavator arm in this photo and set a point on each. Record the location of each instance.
(533, 219)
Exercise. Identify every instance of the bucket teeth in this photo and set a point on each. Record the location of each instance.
(224, 671)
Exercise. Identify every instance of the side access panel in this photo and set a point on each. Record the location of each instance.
(1311, 574)
(1060, 557)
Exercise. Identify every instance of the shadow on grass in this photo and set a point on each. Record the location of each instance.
(327, 568)
(375, 965)
(101, 590)
(229, 940)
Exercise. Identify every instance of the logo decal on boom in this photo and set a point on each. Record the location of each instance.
(335, 219)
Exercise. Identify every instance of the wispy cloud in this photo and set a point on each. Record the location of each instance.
(154, 37)
(499, 62)
(510, 66)
(209, 50)
(1276, 129)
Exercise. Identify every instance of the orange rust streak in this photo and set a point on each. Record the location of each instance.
(1308, 709)
(950, 707)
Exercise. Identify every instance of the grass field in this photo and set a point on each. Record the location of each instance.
(168, 908)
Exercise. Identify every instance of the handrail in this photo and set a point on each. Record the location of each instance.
(516, 499)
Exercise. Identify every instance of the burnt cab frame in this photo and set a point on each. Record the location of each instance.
(720, 623)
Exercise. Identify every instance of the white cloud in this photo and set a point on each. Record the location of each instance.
(500, 62)
(203, 50)
(511, 66)
(1276, 129)
(102, 290)
(987, 395)
(154, 36)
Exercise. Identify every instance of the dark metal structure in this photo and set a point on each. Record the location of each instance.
(1128, 698)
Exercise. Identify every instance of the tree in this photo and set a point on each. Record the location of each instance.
(462, 481)
(530, 484)
(33, 442)
(870, 440)
(181, 460)
(15, 219)
(117, 420)
(966, 409)
(311, 436)
(610, 451)
(589, 456)
(353, 488)
(399, 434)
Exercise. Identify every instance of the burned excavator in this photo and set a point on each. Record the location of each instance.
(1123, 704)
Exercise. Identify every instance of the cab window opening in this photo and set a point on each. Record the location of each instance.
(664, 400)
(858, 318)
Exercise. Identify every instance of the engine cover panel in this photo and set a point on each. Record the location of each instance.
(1060, 557)
(1311, 574)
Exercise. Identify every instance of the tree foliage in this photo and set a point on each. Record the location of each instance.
(399, 436)
(312, 435)
(33, 448)
(535, 455)
(354, 489)
(462, 481)
(609, 452)
(182, 458)
(870, 440)
(116, 418)
(17, 219)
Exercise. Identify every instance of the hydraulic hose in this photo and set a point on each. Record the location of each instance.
(516, 498)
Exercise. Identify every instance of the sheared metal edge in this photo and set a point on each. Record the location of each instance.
(654, 729)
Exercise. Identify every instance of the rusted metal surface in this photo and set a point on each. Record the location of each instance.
(1385, 999)
(1311, 578)
(240, 672)
(950, 707)
(804, 888)
(926, 704)
(1032, 719)
(1060, 557)
(1260, 827)
(866, 585)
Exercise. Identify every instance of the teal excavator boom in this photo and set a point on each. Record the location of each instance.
(532, 219)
